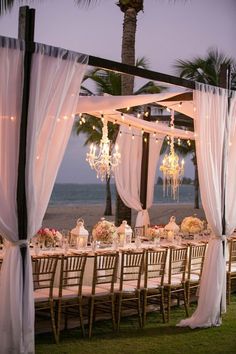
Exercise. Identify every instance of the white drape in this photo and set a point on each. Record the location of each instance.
(16, 320)
(55, 86)
(128, 172)
(215, 129)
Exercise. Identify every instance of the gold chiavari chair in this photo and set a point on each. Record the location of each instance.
(101, 294)
(130, 283)
(154, 270)
(195, 265)
(174, 282)
(70, 289)
(231, 271)
(44, 268)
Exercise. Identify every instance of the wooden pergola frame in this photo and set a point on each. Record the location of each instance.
(26, 32)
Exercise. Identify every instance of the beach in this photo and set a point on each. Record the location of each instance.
(64, 216)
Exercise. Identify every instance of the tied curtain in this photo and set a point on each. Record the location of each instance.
(215, 127)
(54, 90)
(128, 172)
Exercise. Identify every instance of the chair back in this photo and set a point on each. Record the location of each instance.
(72, 272)
(155, 263)
(177, 263)
(232, 254)
(105, 270)
(44, 269)
(196, 260)
(132, 266)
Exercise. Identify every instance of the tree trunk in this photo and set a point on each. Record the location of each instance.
(196, 183)
(127, 87)
(128, 49)
(108, 209)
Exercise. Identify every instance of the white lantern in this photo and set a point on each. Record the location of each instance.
(125, 233)
(79, 234)
(172, 229)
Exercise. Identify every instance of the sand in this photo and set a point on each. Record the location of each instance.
(65, 216)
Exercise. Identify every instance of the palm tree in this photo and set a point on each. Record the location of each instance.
(107, 82)
(207, 70)
(130, 8)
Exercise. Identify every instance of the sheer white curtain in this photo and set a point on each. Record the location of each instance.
(128, 172)
(16, 334)
(55, 86)
(214, 128)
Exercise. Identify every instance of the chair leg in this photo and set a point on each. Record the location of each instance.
(91, 311)
(81, 317)
(162, 306)
(185, 302)
(119, 311)
(187, 287)
(139, 309)
(113, 315)
(168, 302)
(59, 306)
(54, 329)
(144, 306)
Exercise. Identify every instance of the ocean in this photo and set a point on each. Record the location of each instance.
(96, 193)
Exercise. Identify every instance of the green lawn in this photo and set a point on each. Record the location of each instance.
(155, 338)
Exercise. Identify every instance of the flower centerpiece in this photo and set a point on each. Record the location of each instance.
(192, 225)
(153, 232)
(48, 237)
(104, 231)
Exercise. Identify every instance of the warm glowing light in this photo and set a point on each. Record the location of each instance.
(172, 170)
(105, 161)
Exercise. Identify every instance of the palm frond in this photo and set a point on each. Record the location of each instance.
(6, 6)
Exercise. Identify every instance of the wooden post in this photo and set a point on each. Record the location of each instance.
(144, 163)
(25, 32)
(224, 82)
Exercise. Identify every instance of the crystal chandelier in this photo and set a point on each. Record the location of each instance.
(171, 169)
(104, 162)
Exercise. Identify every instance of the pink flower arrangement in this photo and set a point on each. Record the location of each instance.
(104, 231)
(47, 235)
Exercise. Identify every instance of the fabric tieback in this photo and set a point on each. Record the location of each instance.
(20, 243)
(142, 218)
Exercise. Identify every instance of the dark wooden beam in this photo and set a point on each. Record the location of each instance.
(224, 82)
(135, 71)
(144, 162)
(26, 32)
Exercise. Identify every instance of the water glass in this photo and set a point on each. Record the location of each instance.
(37, 249)
(138, 242)
(94, 245)
(157, 241)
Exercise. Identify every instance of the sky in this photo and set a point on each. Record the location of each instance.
(166, 30)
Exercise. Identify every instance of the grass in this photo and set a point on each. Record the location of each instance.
(154, 338)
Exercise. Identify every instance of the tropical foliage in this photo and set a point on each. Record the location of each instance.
(206, 70)
(110, 83)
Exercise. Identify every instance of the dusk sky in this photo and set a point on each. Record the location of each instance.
(166, 31)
